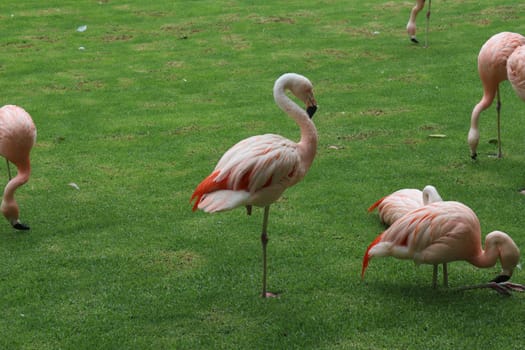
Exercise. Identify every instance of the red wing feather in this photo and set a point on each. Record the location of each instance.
(373, 206)
(206, 186)
(366, 258)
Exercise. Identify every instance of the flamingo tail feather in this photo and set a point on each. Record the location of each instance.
(375, 205)
(366, 257)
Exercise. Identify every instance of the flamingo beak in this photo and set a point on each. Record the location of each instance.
(19, 226)
(311, 110)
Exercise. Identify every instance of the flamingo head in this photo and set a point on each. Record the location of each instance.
(303, 89)
(508, 251)
(311, 111)
(10, 212)
(473, 140)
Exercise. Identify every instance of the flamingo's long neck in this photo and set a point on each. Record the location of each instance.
(498, 245)
(308, 143)
(9, 206)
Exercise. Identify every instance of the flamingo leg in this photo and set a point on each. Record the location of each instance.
(264, 241)
(428, 23)
(411, 25)
(498, 109)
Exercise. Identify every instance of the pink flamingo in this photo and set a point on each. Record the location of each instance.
(492, 68)
(411, 25)
(17, 137)
(398, 203)
(516, 71)
(442, 232)
(257, 170)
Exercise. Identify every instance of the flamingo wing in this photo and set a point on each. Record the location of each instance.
(254, 171)
(397, 204)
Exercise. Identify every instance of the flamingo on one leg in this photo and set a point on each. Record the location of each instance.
(492, 68)
(257, 170)
(443, 232)
(17, 137)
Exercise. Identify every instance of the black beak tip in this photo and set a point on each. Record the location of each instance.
(311, 111)
(20, 226)
(501, 278)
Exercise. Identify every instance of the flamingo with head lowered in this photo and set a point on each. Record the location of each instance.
(17, 137)
(257, 170)
(443, 232)
(492, 68)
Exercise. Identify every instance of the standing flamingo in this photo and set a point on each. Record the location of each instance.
(442, 232)
(257, 170)
(411, 25)
(17, 137)
(400, 202)
(492, 68)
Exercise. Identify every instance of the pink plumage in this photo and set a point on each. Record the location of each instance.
(516, 71)
(400, 202)
(17, 137)
(443, 232)
(257, 170)
(492, 68)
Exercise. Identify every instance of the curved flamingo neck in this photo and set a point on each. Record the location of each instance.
(485, 258)
(308, 143)
(17, 181)
(9, 206)
(498, 245)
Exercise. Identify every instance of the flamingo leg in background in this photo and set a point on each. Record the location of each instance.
(411, 25)
(428, 23)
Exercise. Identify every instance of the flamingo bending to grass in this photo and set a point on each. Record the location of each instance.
(257, 170)
(443, 232)
(492, 68)
(17, 137)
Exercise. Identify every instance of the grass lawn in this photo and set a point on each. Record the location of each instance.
(137, 109)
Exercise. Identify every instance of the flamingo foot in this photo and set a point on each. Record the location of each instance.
(414, 40)
(270, 295)
(20, 226)
(503, 288)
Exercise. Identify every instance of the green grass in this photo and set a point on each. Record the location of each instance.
(159, 93)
